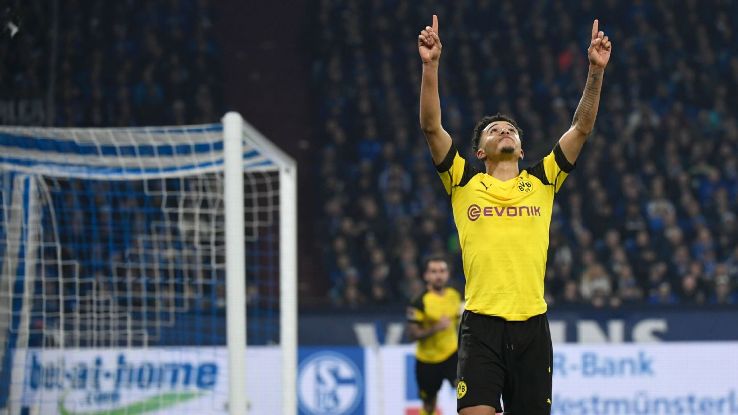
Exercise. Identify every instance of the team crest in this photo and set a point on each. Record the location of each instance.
(524, 186)
(461, 389)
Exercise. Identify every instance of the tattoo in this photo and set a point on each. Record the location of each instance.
(584, 116)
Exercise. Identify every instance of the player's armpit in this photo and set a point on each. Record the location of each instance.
(439, 143)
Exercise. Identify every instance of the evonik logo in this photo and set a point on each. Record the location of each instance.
(475, 211)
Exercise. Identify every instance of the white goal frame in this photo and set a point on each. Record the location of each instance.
(244, 150)
(235, 130)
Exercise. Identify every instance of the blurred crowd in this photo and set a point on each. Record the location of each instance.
(647, 217)
(94, 63)
(88, 63)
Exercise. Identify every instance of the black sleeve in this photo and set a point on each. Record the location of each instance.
(469, 169)
(448, 161)
(416, 304)
(561, 160)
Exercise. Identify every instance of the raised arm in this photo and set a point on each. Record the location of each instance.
(584, 117)
(429, 47)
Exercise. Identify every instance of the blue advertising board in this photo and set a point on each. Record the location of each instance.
(637, 325)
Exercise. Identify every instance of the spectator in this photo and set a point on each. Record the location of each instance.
(724, 293)
(691, 290)
(663, 294)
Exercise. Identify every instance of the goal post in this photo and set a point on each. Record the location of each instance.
(234, 129)
(130, 257)
(287, 263)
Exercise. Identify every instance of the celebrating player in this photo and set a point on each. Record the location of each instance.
(503, 216)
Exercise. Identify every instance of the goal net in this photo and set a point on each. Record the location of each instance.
(125, 280)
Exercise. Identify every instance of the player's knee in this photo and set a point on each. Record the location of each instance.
(429, 407)
(478, 410)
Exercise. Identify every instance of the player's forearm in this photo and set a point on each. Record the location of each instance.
(423, 334)
(430, 102)
(419, 333)
(586, 113)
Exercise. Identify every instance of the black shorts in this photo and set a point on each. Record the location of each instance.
(508, 360)
(430, 376)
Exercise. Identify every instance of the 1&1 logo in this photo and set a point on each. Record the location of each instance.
(329, 384)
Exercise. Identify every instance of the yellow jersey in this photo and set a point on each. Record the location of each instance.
(503, 231)
(426, 310)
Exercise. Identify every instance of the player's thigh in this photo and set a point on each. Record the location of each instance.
(429, 377)
(481, 372)
(531, 386)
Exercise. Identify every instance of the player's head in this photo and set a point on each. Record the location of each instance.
(435, 271)
(497, 137)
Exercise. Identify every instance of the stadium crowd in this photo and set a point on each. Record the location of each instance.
(647, 217)
(106, 64)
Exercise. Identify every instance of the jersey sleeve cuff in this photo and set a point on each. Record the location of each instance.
(448, 161)
(561, 160)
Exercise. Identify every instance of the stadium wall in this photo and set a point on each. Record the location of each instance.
(638, 325)
(665, 378)
(641, 325)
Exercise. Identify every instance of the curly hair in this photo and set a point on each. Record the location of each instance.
(487, 120)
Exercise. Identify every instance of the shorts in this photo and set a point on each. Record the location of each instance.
(430, 376)
(506, 362)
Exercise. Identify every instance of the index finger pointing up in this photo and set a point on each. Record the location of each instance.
(595, 28)
(435, 23)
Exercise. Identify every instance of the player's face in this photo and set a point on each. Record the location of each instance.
(437, 274)
(500, 139)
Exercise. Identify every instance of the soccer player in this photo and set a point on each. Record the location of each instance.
(503, 216)
(433, 320)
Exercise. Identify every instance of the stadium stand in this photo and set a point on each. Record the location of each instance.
(649, 215)
(121, 64)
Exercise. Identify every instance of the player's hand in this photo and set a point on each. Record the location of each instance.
(429, 44)
(599, 47)
(443, 323)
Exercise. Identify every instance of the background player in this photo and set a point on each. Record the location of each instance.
(433, 321)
